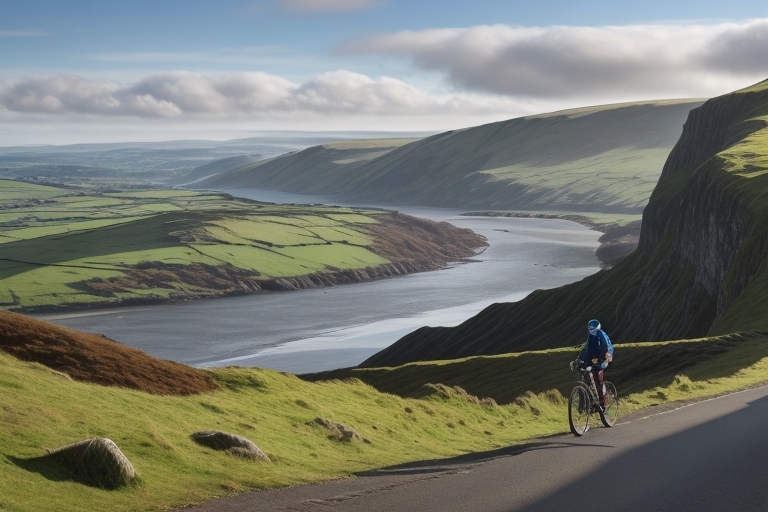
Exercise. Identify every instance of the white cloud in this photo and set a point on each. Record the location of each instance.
(587, 62)
(235, 95)
(325, 6)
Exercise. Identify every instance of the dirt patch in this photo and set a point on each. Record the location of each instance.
(96, 358)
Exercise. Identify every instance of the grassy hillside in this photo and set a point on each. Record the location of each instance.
(700, 267)
(65, 247)
(598, 159)
(307, 170)
(43, 409)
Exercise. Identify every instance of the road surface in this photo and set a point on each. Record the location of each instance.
(710, 455)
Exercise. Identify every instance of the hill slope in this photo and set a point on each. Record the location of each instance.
(579, 160)
(279, 412)
(94, 358)
(700, 266)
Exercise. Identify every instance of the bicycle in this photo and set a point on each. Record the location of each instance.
(584, 402)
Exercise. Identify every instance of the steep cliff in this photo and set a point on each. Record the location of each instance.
(700, 267)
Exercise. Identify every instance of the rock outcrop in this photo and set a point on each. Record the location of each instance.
(700, 267)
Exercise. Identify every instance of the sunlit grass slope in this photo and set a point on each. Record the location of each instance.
(43, 409)
(638, 367)
(63, 246)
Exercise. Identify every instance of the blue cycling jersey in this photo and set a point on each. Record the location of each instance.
(596, 347)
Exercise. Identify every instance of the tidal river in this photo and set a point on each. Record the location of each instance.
(321, 329)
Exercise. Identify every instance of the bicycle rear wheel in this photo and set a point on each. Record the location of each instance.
(579, 407)
(608, 417)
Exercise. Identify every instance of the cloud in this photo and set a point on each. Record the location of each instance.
(325, 6)
(236, 95)
(568, 62)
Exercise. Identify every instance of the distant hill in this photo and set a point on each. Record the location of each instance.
(130, 163)
(597, 159)
(701, 267)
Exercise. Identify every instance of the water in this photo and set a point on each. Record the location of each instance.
(322, 329)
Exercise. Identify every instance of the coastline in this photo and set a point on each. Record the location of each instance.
(618, 240)
(410, 244)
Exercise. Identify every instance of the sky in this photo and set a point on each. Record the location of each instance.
(107, 71)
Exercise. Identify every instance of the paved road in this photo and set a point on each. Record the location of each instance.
(711, 455)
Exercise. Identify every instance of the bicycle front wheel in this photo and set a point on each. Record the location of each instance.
(579, 407)
(611, 413)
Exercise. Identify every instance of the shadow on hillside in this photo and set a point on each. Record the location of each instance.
(443, 465)
(40, 466)
(717, 465)
(505, 378)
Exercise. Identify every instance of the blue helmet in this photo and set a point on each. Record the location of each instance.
(593, 326)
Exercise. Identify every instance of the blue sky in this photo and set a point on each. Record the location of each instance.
(77, 71)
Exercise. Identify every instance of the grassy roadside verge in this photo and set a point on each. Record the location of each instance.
(43, 409)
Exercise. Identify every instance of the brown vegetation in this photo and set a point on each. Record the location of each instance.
(402, 237)
(96, 358)
(156, 274)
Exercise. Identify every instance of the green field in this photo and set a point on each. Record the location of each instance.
(43, 409)
(55, 243)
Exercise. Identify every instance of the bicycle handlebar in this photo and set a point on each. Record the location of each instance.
(576, 365)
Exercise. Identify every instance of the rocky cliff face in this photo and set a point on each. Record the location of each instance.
(700, 267)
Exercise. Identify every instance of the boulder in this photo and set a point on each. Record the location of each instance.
(233, 444)
(97, 462)
(339, 431)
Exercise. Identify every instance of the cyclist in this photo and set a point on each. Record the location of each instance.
(597, 353)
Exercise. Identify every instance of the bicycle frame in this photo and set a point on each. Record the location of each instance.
(584, 401)
(591, 385)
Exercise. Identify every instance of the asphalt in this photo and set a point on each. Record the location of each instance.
(709, 455)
